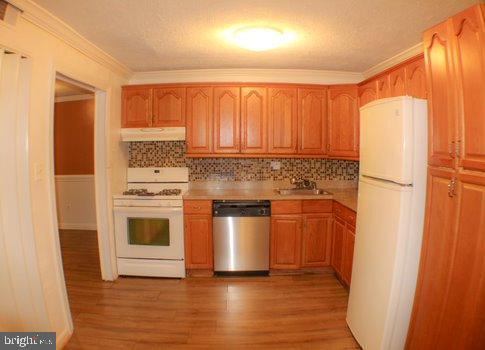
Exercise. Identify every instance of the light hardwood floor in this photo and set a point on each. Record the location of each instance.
(277, 312)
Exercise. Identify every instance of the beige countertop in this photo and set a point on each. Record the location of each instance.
(345, 196)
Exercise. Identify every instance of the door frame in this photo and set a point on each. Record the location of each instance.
(101, 179)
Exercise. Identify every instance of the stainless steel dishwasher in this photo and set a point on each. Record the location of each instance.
(241, 236)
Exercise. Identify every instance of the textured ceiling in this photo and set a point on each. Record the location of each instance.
(346, 35)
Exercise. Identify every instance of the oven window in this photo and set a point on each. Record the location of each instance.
(146, 231)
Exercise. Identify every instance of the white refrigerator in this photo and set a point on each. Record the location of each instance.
(390, 215)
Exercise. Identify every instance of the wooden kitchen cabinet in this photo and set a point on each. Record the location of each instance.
(168, 106)
(227, 119)
(283, 120)
(317, 239)
(198, 242)
(136, 107)
(454, 227)
(441, 104)
(312, 121)
(286, 233)
(415, 83)
(343, 122)
(397, 81)
(338, 244)
(254, 120)
(468, 30)
(348, 253)
(199, 119)
(367, 92)
(383, 86)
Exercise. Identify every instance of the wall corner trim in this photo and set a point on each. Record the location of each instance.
(394, 60)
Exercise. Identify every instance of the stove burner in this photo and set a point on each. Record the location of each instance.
(143, 192)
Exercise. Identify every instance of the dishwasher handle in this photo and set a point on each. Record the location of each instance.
(241, 208)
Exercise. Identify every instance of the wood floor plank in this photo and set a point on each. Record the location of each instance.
(295, 312)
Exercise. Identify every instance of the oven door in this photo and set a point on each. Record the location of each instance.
(149, 233)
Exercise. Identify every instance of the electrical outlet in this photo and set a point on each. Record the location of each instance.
(275, 165)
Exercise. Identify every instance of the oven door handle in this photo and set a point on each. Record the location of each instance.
(149, 210)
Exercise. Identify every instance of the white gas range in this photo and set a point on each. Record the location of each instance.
(149, 225)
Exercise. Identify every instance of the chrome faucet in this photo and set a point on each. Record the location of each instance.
(303, 184)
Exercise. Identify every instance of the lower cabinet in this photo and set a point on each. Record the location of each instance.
(198, 235)
(301, 234)
(286, 241)
(338, 244)
(343, 242)
(317, 240)
(348, 253)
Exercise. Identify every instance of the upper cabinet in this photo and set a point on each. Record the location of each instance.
(397, 81)
(312, 115)
(383, 86)
(441, 104)
(199, 119)
(137, 107)
(415, 78)
(283, 120)
(169, 106)
(343, 122)
(468, 31)
(254, 120)
(226, 119)
(367, 92)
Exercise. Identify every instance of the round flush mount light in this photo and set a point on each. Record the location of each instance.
(260, 38)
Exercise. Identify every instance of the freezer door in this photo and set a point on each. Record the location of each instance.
(387, 139)
(375, 312)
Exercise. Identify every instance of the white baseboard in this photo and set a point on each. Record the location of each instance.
(77, 226)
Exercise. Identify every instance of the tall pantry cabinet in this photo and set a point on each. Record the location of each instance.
(449, 306)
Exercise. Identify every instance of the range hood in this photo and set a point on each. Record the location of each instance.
(153, 134)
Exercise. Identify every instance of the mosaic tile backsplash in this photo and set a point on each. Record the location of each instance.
(172, 154)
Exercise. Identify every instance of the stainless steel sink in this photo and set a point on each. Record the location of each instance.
(302, 191)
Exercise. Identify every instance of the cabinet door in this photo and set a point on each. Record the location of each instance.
(283, 120)
(367, 93)
(254, 120)
(137, 107)
(169, 106)
(416, 78)
(469, 55)
(337, 246)
(383, 86)
(436, 261)
(317, 239)
(348, 253)
(441, 106)
(397, 81)
(312, 120)
(343, 122)
(226, 119)
(198, 242)
(286, 241)
(199, 120)
(463, 318)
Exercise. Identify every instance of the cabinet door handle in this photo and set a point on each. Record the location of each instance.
(197, 207)
(458, 148)
(452, 149)
(451, 187)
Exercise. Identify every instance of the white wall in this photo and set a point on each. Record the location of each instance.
(52, 47)
(76, 205)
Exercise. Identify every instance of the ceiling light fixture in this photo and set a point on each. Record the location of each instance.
(260, 38)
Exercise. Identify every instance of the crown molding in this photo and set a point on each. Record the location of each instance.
(74, 98)
(53, 25)
(394, 60)
(301, 76)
